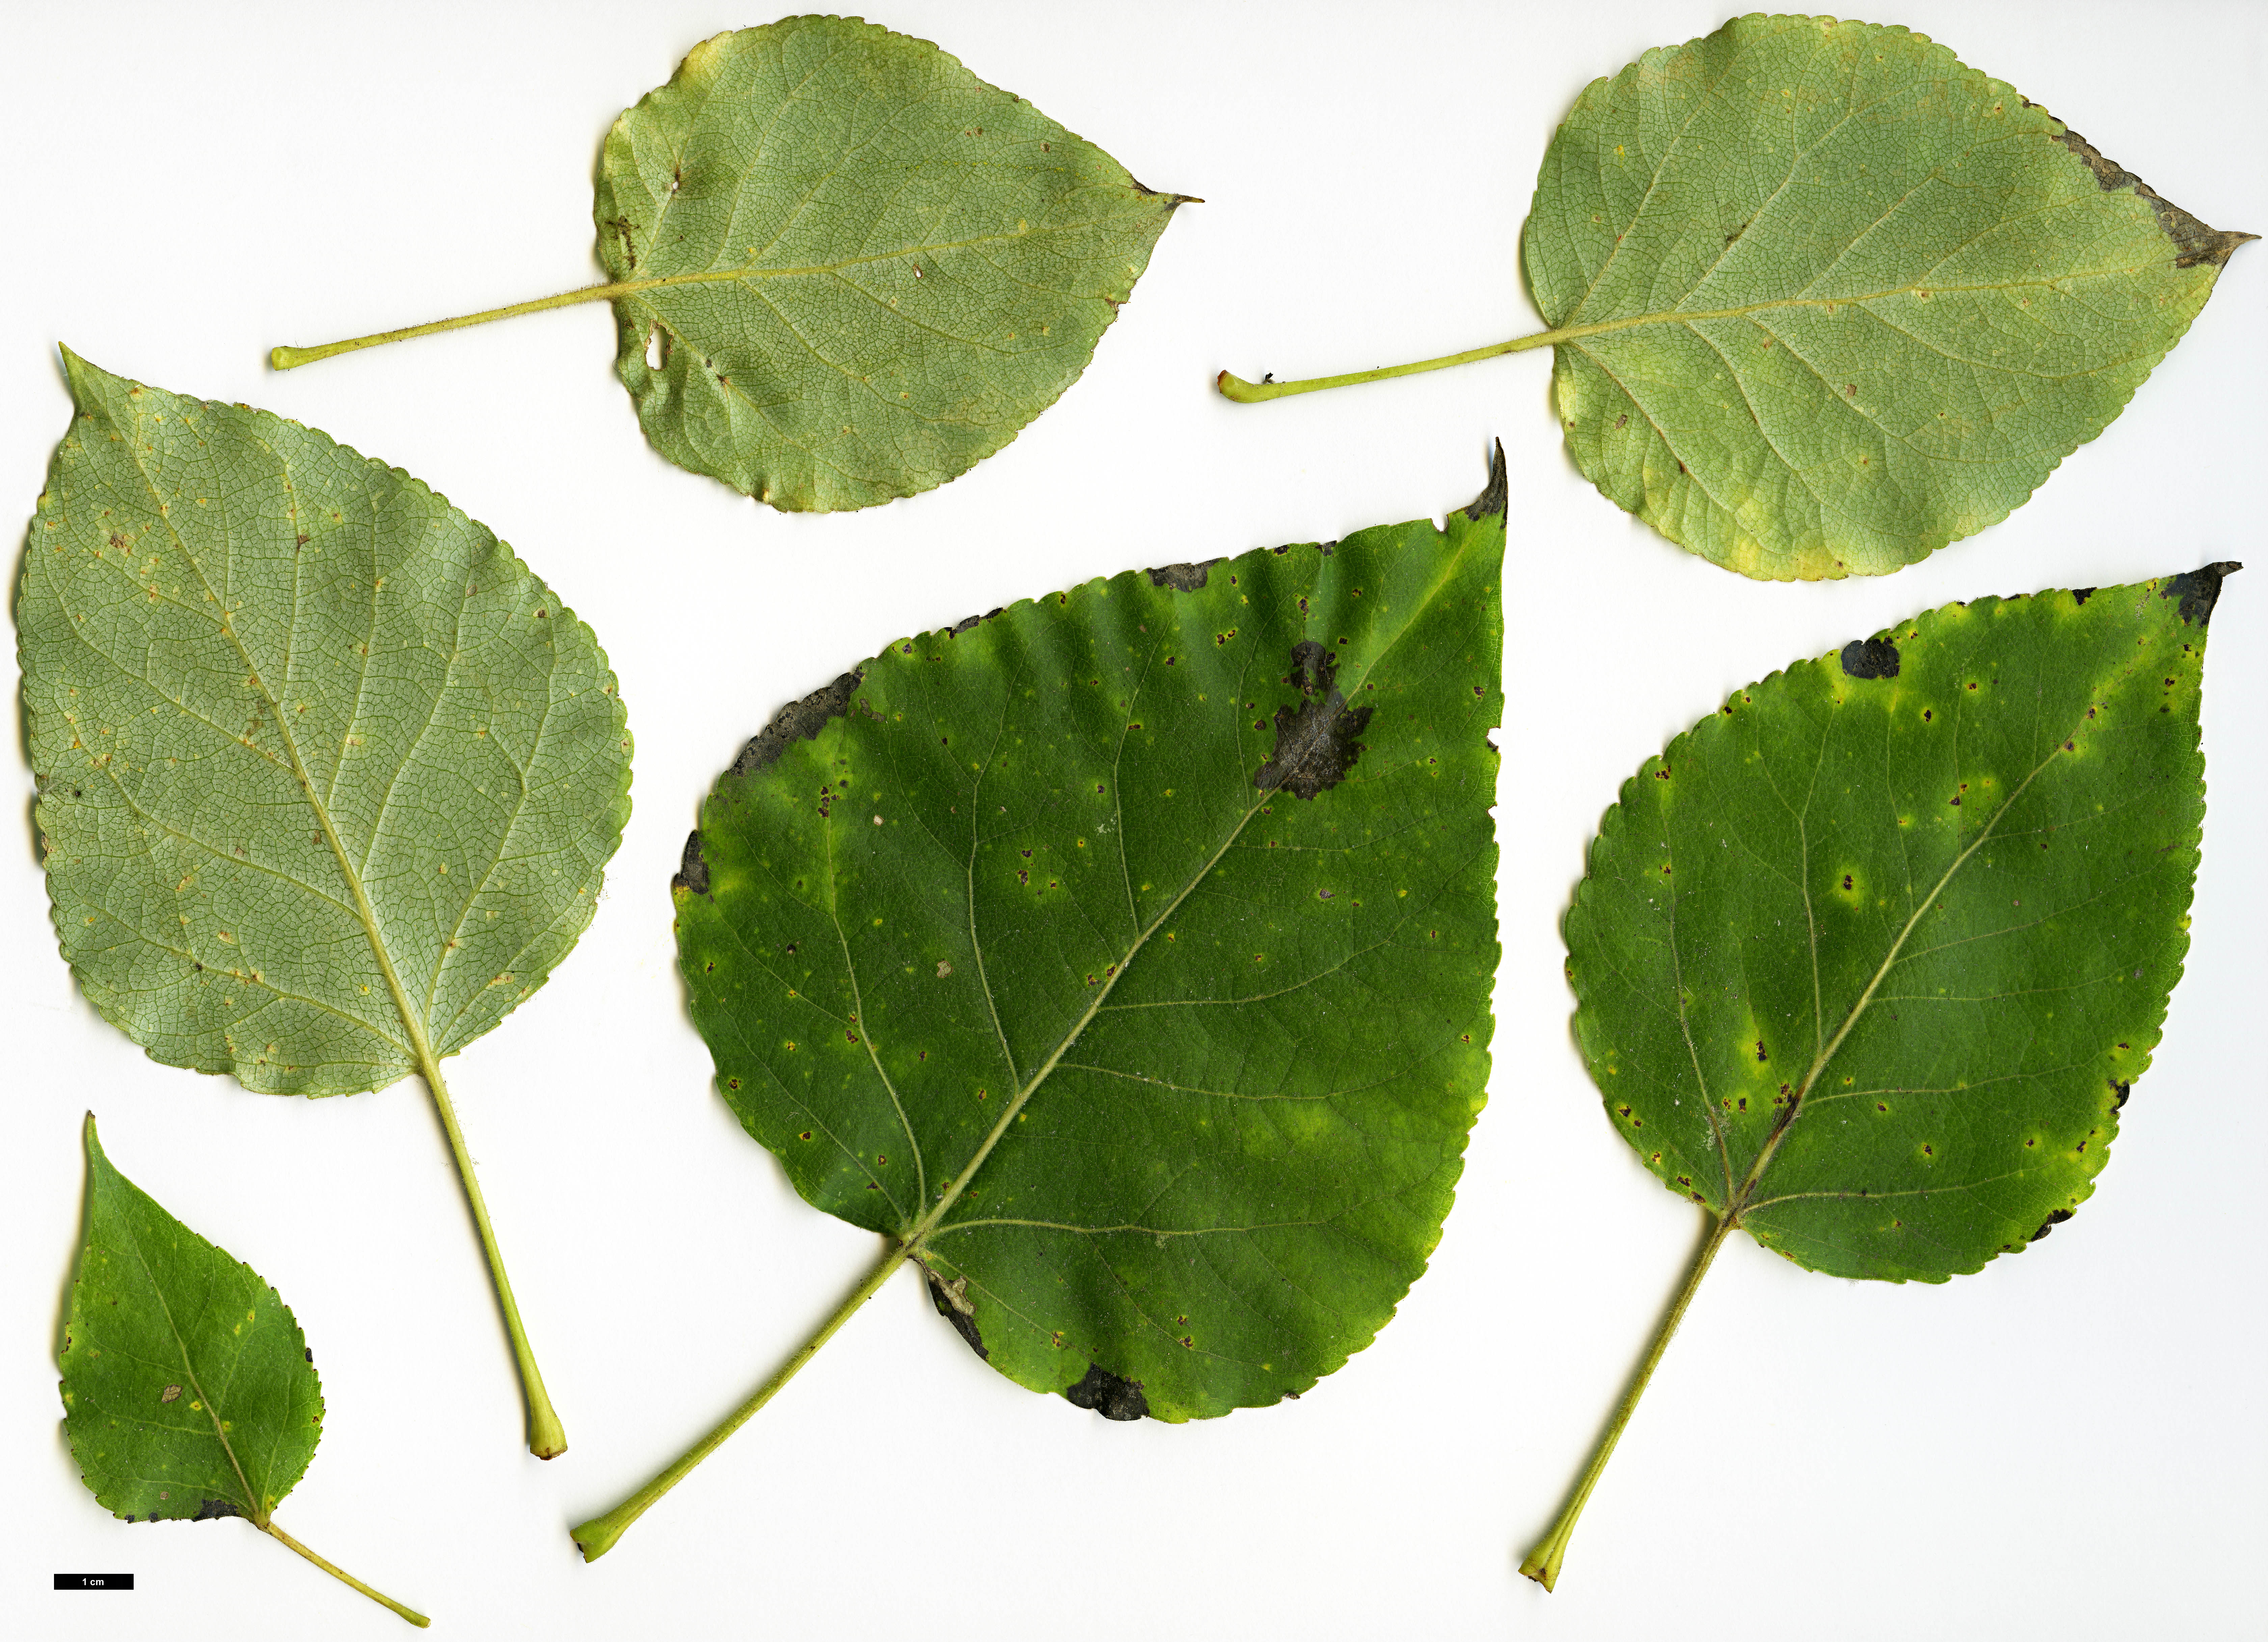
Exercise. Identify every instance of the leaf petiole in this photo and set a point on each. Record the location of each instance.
(290, 359)
(1542, 1563)
(597, 1536)
(1246, 392)
(547, 1438)
(338, 1572)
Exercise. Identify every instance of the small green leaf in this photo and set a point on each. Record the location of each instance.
(1869, 960)
(1821, 298)
(326, 777)
(1124, 958)
(188, 1391)
(844, 268)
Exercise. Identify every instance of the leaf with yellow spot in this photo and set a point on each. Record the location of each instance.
(1904, 1084)
(1265, 1153)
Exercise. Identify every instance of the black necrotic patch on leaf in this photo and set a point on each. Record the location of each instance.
(692, 870)
(213, 1510)
(2049, 1223)
(1315, 743)
(2199, 590)
(798, 721)
(1108, 1395)
(1184, 577)
(963, 1324)
(1870, 658)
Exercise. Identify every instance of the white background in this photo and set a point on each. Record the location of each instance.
(2070, 1445)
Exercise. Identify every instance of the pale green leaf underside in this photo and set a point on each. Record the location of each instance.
(323, 770)
(1027, 960)
(188, 1391)
(1868, 959)
(860, 269)
(1840, 300)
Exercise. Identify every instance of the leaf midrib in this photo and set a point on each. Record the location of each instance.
(1685, 316)
(913, 1242)
(366, 913)
(748, 273)
(254, 1507)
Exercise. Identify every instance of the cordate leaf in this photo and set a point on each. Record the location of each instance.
(844, 269)
(326, 777)
(1821, 298)
(189, 1393)
(1867, 961)
(1124, 958)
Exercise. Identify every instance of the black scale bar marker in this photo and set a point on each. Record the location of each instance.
(94, 1581)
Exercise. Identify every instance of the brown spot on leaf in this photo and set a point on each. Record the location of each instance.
(1184, 577)
(2194, 243)
(1315, 743)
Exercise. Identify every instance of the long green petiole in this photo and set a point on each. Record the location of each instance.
(547, 1439)
(1542, 1563)
(339, 1573)
(289, 359)
(598, 1536)
(1246, 392)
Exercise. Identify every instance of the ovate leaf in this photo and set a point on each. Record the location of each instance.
(1869, 960)
(1124, 958)
(326, 777)
(1842, 298)
(189, 1393)
(1821, 298)
(844, 268)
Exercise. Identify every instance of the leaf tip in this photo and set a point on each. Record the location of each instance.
(2199, 590)
(1493, 500)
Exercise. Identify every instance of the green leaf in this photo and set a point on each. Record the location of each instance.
(326, 777)
(189, 1392)
(1847, 300)
(1869, 960)
(844, 269)
(1124, 958)
(1821, 298)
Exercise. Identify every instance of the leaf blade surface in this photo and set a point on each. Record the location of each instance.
(862, 269)
(325, 772)
(1868, 959)
(1125, 956)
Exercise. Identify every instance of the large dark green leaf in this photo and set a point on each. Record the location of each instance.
(1869, 960)
(1124, 958)
(189, 1393)
(844, 268)
(326, 777)
(1821, 298)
